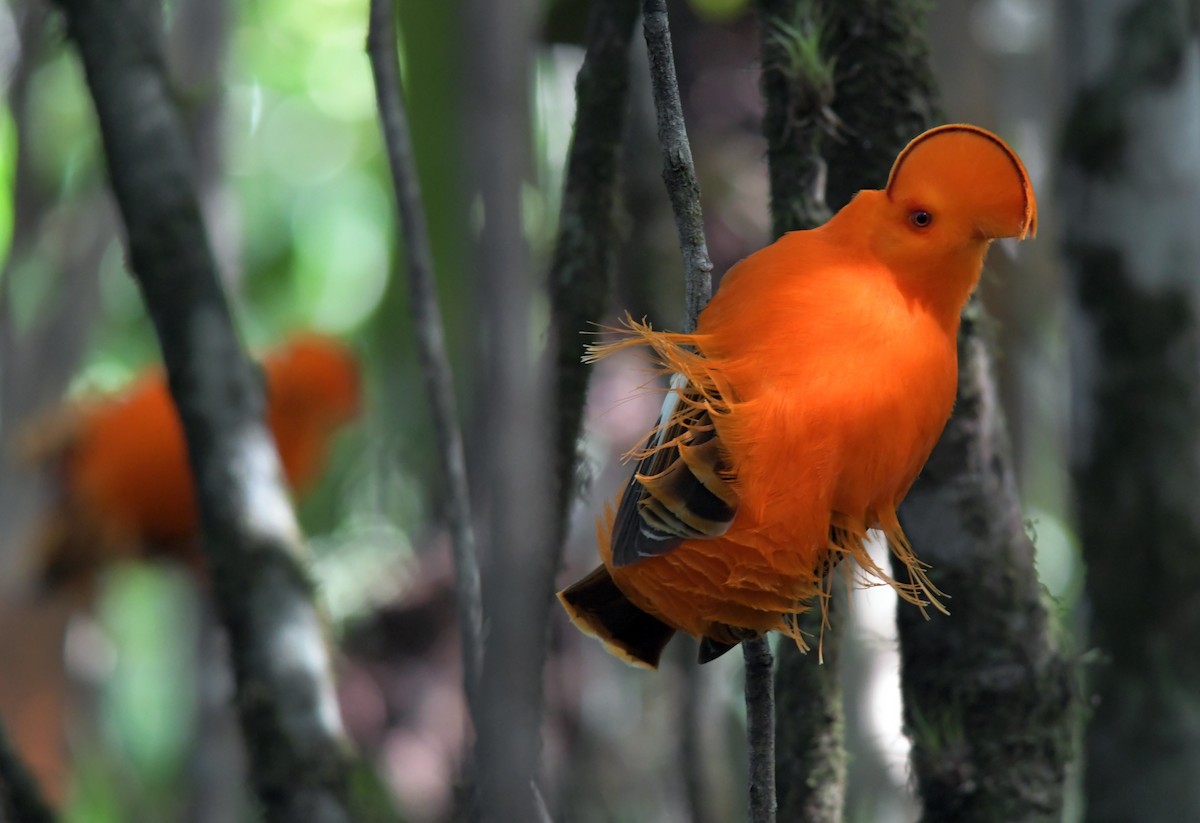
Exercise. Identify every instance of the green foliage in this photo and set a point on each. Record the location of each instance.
(798, 46)
(306, 168)
(150, 691)
(142, 649)
(717, 11)
(8, 156)
(61, 125)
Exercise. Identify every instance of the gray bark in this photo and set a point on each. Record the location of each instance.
(298, 753)
(679, 172)
(1131, 199)
(515, 461)
(810, 752)
(988, 695)
(760, 729)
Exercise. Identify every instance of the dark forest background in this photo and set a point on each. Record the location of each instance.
(120, 706)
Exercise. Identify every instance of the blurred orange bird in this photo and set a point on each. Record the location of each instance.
(123, 480)
(801, 410)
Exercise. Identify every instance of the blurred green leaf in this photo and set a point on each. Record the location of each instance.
(8, 166)
(149, 613)
(718, 11)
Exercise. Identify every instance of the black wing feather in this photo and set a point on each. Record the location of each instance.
(666, 501)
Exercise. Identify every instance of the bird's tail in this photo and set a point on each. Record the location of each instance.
(600, 609)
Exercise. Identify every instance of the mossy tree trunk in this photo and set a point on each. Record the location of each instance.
(1132, 185)
(847, 85)
(987, 693)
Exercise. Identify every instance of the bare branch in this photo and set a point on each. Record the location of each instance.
(298, 751)
(679, 173)
(431, 338)
(760, 728)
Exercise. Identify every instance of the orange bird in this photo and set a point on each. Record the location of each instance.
(123, 481)
(816, 384)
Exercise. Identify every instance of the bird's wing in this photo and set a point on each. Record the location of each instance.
(681, 488)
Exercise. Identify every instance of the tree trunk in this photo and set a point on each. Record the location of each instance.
(1132, 196)
(514, 461)
(299, 756)
(847, 84)
(987, 694)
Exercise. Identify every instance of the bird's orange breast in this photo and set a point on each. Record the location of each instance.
(838, 387)
(129, 468)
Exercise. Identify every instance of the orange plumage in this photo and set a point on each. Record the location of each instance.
(124, 485)
(811, 394)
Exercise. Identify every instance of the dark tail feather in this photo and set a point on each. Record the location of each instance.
(711, 649)
(600, 609)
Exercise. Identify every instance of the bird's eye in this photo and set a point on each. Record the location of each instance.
(920, 218)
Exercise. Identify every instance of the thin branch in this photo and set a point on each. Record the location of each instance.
(20, 799)
(760, 728)
(298, 751)
(679, 173)
(431, 338)
(581, 272)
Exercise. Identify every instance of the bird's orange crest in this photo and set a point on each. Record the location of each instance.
(988, 178)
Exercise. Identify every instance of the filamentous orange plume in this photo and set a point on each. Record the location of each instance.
(801, 410)
(124, 488)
